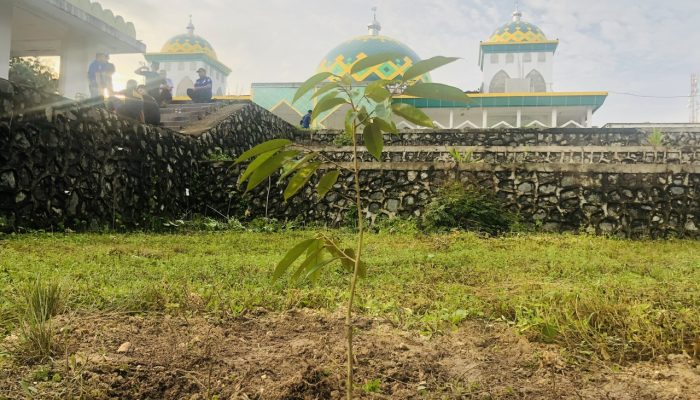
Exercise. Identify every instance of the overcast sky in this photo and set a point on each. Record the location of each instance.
(646, 47)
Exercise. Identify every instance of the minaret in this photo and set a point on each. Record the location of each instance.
(517, 14)
(375, 27)
(190, 28)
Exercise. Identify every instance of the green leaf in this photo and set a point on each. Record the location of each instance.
(269, 167)
(252, 167)
(377, 91)
(310, 84)
(425, 66)
(312, 259)
(328, 102)
(374, 60)
(384, 125)
(350, 122)
(326, 183)
(289, 169)
(312, 275)
(437, 91)
(292, 256)
(300, 179)
(374, 140)
(325, 89)
(268, 146)
(349, 263)
(412, 114)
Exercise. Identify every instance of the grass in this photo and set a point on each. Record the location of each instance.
(613, 299)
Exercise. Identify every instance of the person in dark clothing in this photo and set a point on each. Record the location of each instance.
(151, 109)
(95, 71)
(202, 92)
(166, 90)
(306, 120)
(153, 79)
(133, 103)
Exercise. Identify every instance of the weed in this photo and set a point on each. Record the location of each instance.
(656, 138)
(373, 386)
(37, 333)
(467, 208)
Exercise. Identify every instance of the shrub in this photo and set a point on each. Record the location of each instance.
(32, 72)
(43, 301)
(467, 208)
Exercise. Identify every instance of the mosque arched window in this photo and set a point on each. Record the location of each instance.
(185, 83)
(498, 83)
(542, 57)
(510, 58)
(494, 59)
(537, 82)
(527, 57)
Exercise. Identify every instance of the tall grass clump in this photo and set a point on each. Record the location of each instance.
(42, 303)
(458, 207)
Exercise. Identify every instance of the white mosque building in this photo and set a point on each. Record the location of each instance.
(183, 55)
(517, 62)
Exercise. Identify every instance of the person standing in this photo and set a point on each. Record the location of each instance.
(306, 120)
(153, 79)
(166, 89)
(107, 73)
(95, 77)
(202, 92)
(151, 109)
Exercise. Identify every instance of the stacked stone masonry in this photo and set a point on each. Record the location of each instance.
(78, 166)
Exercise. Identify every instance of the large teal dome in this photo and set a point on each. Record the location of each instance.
(340, 60)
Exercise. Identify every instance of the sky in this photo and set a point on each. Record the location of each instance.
(642, 47)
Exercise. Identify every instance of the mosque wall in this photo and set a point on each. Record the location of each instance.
(80, 167)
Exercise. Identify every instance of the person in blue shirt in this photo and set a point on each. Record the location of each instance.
(202, 91)
(306, 120)
(95, 71)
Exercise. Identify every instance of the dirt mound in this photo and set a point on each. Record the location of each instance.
(300, 355)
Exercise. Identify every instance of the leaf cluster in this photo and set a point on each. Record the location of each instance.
(317, 253)
(32, 72)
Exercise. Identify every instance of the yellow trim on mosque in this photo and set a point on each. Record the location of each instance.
(521, 94)
(490, 43)
(244, 97)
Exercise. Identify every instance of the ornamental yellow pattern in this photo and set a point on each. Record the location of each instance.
(389, 70)
(189, 44)
(518, 32)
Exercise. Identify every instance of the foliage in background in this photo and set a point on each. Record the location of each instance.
(456, 207)
(32, 72)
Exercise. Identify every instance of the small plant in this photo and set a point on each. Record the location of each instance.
(42, 303)
(461, 158)
(656, 138)
(220, 156)
(469, 209)
(373, 386)
(370, 113)
(342, 140)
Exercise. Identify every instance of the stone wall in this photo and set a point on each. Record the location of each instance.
(518, 137)
(78, 166)
(69, 165)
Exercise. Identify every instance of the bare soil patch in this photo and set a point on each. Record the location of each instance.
(300, 355)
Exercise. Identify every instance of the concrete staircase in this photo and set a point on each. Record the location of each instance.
(179, 116)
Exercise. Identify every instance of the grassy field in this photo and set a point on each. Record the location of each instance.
(613, 299)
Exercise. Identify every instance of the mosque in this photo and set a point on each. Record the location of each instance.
(517, 89)
(183, 55)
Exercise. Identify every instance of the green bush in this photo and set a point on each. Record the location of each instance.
(32, 72)
(457, 207)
